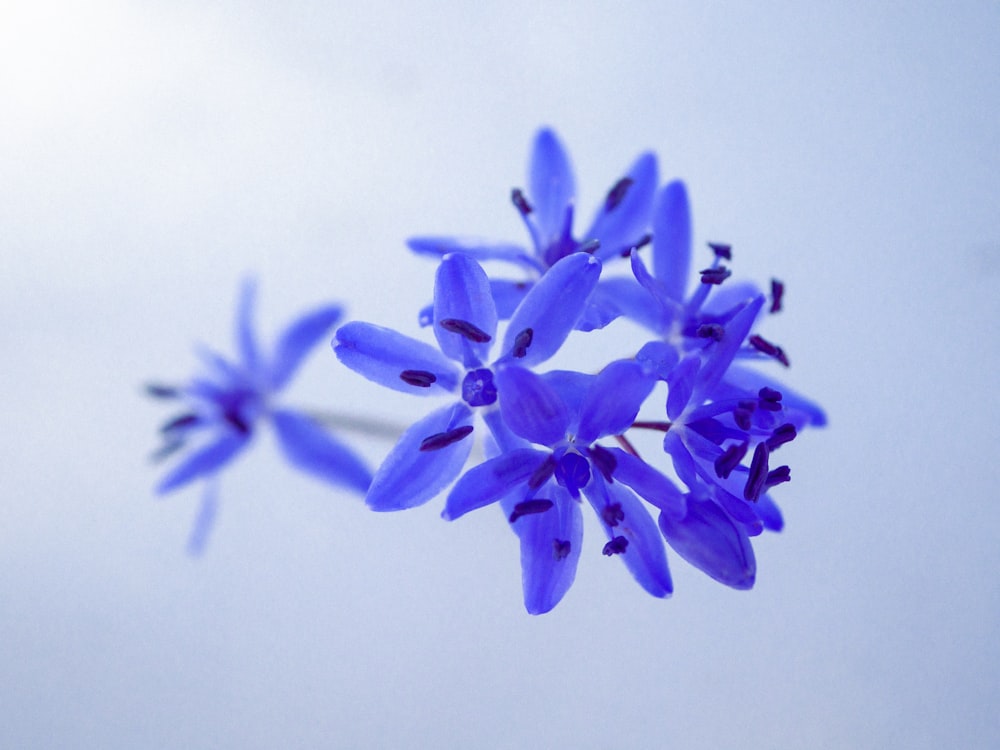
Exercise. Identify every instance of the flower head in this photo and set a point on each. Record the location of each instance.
(223, 405)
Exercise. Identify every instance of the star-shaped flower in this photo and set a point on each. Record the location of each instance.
(223, 406)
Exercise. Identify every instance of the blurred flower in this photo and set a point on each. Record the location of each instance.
(223, 405)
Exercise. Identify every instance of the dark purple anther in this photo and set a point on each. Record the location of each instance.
(444, 439)
(161, 391)
(769, 399)
(766, 347)
(721, 251)
(419, 378)
(590, 246)
(518, 199)
(730, 459)
(234, 418)
(758, 473)
(617, 194)
(777, 292)
(640, 243)
(478, 388)
(777, 476)
(613, 514)
(542, 473)
(521, 343)
(616, 546)
(710, 331)
(560, 549)
(466, 329)
(604, 460)
(781, 435)
(528, 507)
(715, 275)
(180, 423)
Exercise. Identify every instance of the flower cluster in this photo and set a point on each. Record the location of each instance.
(554, 438)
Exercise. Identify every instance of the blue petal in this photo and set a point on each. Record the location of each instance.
(489, 481)
(508, 295)
(672, 239)
(769, 513)
(545, 575)
(246, 340)
(659, 358)
(572, 388)
(644, 556)
(613, 400)
(603, 307)
(409, 476)
(530, 407)
(553, 306)
(681, 382)
(742, 382)
(657, 310)
(462, 292)
(309, 447)
(381, 355)
(650, 484)
(204, 521)
(708, 539)
(623, 226)
(297, 340)
(205, 461)
(551, 182)
(719, 356)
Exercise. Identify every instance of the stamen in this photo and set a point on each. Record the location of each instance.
(641, 243)
(236, 419)
(528, 507)
(465, 329)
(604, 460)
(784, 434)
(710, 331)
(715, 275)
(613, 514)
(777, 476)
(617, 193)
(590, 246)
(730, 459)
(769, 399)
(518, 199)
(478, 388)
(616, 546)
(157, 390)
(653, 425)
(444, 439)
(777, 292)
(542, 473)
(181, 422)
(560, 549)
(419, 378)
(758, 473)
(721, 251)
(766, 347)
(521, 343)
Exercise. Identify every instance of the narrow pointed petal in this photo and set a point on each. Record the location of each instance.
(204, 522)
(204, 461)
(552, 185)
(409, 476)
(742, 381)
(651, 485)
(381, 355)
(550, 547)
(531, 407)
(769, 513)
(605, 305)
(474, 247)
(462, 292)
(552, 308)
(613, 400)
(720, 355)
(489, 481)
(708, 539)
(644, 556)
(311, 448)
(659, 358)
(246, 339)
(672, 239)
(620, 224)
(298, 339)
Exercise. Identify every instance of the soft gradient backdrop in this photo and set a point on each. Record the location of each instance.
(151, 154)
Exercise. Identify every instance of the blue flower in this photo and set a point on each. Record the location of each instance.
(620, 223)
(223, 405)
(540, 490)
(432, 452)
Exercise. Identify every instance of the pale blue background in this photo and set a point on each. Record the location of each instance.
(150, 154)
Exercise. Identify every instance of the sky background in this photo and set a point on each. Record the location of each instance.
(151, 155)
